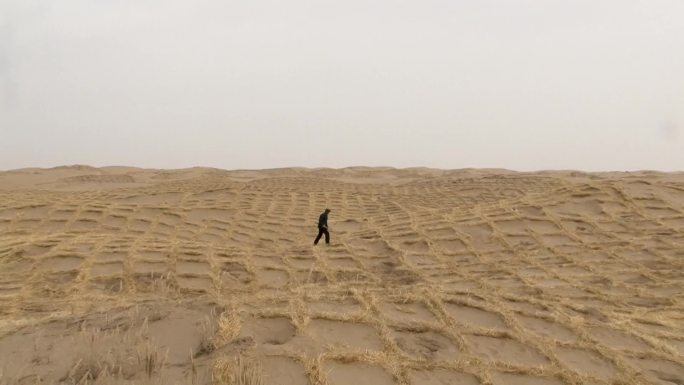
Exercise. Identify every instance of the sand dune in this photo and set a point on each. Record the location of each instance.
(199, 276)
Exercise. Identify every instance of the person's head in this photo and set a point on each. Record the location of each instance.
(327, 211)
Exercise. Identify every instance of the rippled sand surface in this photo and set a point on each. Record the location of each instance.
(122, 275)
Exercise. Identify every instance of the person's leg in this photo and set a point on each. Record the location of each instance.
(320, 233)
(327, 236)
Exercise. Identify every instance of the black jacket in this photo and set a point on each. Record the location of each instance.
(323, 221)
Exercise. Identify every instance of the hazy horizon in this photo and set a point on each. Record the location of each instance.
(521, 85)
(336, 168)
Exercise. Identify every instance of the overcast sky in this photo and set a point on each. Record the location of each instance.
(519, 84)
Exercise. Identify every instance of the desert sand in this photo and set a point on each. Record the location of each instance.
(120, 275)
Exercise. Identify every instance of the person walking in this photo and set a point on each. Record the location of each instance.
(323, 227)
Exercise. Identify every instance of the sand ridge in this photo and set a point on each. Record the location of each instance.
(433, 276)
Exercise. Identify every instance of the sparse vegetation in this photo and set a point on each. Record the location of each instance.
(238, 371)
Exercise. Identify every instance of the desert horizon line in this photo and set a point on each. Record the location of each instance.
(314, 168)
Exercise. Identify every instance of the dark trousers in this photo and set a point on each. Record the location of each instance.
(321, 231)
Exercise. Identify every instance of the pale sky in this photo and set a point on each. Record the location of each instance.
(518, 84)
